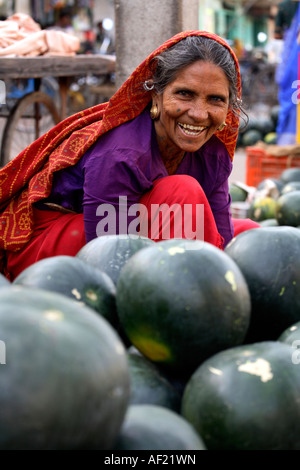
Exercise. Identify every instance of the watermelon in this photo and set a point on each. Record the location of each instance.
(109, 253)
(268, 183)
(172, 378)
(180, 301)
(269, 259)
(269, 223)
(292, 186)
(270, 138)
(288, 209)
(239, 139)
(251, 137)
(265, 125)
(149, 385)
(291, 334)
(65, 384)
(76, 279)
(274, 114)
(262, 208)
(237, 193)
(4, 282)
(289, 175)
(249, 125)
(152, 427)
(246, 398)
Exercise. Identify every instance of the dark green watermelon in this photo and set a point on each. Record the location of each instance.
(288, 209)
(251, 137)
(65, 384)
(292, 186)
(268, 223)
(291, 334)
(180, 301)
(289, 175)
(246, 398)
(76, 279)
(274, 114)
(110, 253)
(149, 386)
(265, 125)
(237, 193)
(269, 258)
(152, 427)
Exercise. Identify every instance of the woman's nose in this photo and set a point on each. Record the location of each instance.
(199, 112)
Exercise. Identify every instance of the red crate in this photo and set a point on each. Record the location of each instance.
(260, 165)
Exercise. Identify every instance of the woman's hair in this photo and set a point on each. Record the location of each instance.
(190, 50)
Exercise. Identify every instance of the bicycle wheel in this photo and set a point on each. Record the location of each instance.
(32, 116)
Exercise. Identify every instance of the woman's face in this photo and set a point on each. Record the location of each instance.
(192, 107)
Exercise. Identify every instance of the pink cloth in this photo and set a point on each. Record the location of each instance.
(241, 225)
(20, 35)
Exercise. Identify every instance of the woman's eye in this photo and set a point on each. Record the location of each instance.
(217, 98)
(184, 93)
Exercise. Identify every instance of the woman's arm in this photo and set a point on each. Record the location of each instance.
(220, 204)
(113, 185)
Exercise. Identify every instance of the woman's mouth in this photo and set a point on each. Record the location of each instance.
(190, 130)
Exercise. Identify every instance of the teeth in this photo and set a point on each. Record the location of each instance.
(191, 132)
(192, 128)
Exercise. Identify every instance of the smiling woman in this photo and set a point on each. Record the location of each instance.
(193, 106)
(164, 143)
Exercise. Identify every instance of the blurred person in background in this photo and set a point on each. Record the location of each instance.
(64, 22)
(283, 19)
(287, 24)
(104, 41)
(238, 48)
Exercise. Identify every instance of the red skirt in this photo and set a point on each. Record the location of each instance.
(177, 207)
(54, 234)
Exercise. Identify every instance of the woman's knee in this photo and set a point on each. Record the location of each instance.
(179, 188)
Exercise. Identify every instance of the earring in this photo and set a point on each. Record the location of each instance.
(154, 112)
(222, 127)
(148, 86)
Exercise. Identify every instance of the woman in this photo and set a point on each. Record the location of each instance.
(167, 137)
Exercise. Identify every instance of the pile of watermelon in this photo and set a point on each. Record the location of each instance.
(260, 127)
(275, 201)
(137, 345)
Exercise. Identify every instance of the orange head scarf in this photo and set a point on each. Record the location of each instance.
(28, 177)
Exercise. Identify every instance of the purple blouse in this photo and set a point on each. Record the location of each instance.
(124, 162)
